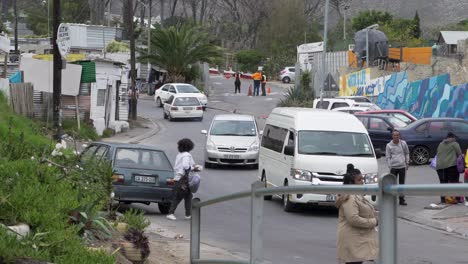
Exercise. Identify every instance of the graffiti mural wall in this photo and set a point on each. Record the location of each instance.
(433, 97)
(351, 83)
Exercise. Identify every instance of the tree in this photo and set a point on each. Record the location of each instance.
(400, 32)
(249, 60)
(178, 49)
(416, 26)
(73, 11)
(370, 17)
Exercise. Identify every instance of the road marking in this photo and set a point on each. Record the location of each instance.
(217, 83)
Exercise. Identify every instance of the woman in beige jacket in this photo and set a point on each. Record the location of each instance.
(357, 236)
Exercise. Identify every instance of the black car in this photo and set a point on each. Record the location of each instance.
(380, 128)
(142, 174)
(423, 136)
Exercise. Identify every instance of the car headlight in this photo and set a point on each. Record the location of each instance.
(210, 145)
(254, 147)
(302, 175)
(371, 178)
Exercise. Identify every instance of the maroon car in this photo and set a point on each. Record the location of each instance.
(400, 114)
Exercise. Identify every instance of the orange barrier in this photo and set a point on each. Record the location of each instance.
(269, 89)
(250, 91)
(411, 55)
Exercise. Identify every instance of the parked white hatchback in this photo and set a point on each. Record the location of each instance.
(162, 94)
(181, 106)
(232, 140)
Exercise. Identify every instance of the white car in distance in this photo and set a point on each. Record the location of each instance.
(182, 106)
(162, 94)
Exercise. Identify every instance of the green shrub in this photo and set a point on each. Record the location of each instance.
(115, 46)
(302, 95)
(135, 219)
(86, 132)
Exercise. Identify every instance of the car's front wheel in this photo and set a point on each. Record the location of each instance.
(420, 155)
(288, 206)
(286, 79)
(164, 208)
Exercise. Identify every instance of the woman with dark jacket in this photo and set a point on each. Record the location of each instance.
(446, 162)
(357, 237)
(237, 82)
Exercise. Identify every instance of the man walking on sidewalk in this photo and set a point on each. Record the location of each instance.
(397, 155)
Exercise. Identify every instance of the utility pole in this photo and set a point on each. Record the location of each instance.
(16, 27)
(149, 41)
(57, 82)
(131, 35)
(324, 62)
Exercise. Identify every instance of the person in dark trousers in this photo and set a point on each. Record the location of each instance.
(184, 163)
(263, 84)
(397, 155)
(446, 163)
(237, 83)
(257, 78)
(357, 239)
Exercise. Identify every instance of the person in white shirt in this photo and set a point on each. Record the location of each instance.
(184, 164)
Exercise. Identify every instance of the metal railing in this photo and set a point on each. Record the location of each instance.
(387, 191)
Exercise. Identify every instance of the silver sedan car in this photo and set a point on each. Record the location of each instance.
(232, 140)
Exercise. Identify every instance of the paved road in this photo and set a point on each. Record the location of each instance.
(308, 236)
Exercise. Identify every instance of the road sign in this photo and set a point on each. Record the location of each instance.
(64, 39)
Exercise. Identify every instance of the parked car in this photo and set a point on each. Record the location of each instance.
(162, 94)
(183, 106)
(142, 174)
(232, 139)
(304, 147)
(400, 114)
(380, 128)
(360, 99)
(332, 103)
(352, 109)
(423, 136)
(288, 74)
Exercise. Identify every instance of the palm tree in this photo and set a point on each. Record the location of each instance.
(177, 49)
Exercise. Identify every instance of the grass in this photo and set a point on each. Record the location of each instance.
(87, 131)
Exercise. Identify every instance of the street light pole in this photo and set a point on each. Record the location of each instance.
(344, 22)
(324, 63)
(16, 27)
(367, 43)
(149, 41)
(57, 80)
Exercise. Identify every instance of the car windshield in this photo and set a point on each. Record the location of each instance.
(186, 101)
(396, 122)
(187, 89)
(141, 159)
(233, 128)
(332, 143)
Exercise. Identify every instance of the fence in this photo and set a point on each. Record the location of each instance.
(387, 190)
(21, 98)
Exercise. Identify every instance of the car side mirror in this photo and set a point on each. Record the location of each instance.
(289, 150)
(204, 132)
(390, 129)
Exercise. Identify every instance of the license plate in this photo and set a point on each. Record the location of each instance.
(331, 197)
(231, 156)
(187, 108)
(145, 179)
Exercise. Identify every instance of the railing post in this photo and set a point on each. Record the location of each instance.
(387, 221)
(195, 231)
(256, 222)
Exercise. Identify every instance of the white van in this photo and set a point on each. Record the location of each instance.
(303, 146)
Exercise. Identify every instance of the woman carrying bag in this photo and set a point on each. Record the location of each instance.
(183, 168)
(357, 220)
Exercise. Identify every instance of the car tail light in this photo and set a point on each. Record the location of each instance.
(118, 178)
(170, 182)
(199, 108)
(174, 108)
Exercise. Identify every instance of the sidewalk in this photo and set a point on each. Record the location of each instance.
(452, 219)
(140, 129)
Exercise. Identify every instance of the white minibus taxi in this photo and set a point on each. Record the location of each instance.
(304, 146)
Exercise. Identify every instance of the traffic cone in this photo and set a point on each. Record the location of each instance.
(269, 89)
(250, 91)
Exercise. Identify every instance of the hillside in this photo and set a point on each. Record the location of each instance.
(433, 13)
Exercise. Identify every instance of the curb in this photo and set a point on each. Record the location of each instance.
(155, 130)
